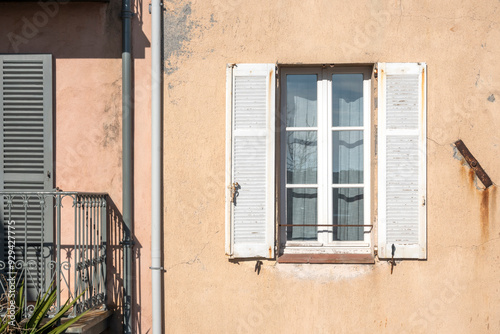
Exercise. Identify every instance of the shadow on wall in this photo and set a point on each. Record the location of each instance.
(115, 272)
(69, 29)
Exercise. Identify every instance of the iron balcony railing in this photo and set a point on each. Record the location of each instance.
(57, 238)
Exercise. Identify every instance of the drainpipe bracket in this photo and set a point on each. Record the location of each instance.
(151, 6)
(126, 14)
(157, 268)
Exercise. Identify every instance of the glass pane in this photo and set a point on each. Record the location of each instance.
(348, 210)
(301, 100)
(301, 157)
(347, 157)
(347, 99)
(302, 209)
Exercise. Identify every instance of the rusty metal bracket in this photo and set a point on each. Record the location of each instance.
(473, 163)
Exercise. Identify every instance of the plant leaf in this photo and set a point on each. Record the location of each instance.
(43, 308)
(20, 303)
(38, 298)
(59, 315)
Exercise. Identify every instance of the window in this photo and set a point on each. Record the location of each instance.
(307, 187)
(325, 155)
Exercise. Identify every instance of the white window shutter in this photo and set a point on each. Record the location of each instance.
(402, 160)
(250, 160)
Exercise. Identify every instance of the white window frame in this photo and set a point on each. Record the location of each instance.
(325, 244)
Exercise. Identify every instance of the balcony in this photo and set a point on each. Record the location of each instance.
(58, 238)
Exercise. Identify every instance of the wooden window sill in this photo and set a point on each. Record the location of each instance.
(327, 258)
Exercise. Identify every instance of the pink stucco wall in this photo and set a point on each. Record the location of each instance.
(85, 42)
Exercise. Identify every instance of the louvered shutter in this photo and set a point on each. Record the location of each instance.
(250, 160)
(402, 160)
(26, 159)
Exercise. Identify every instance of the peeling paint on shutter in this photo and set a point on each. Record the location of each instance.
(402, 160)
(250, 160)
(26, 153)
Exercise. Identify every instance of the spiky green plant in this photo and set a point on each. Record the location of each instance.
(33, 324)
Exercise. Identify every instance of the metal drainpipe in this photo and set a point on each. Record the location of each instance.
(127, 170)
(156, 154)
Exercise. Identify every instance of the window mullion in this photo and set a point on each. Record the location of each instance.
(324, 158)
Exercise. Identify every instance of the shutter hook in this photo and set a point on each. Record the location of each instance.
(234, 192)
(392, 261)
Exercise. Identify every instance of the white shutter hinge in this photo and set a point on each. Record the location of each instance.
(423, 200)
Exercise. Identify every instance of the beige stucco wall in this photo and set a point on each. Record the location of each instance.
(455, 290)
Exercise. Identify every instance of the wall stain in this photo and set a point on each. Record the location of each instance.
(179, 28)
(484, 212)
(111, 122)
(493, 203)
(472, 178)
(487, 197)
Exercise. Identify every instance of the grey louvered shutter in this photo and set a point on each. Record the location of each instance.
(402, 160)
(26, 159)
(250, 160)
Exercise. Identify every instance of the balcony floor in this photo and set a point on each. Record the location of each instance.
(94, 322)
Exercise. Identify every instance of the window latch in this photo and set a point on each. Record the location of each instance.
(234, 192)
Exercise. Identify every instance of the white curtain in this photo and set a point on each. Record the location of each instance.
(348, 169)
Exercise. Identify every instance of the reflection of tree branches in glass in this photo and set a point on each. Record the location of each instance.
(301, 112)
(301, 156)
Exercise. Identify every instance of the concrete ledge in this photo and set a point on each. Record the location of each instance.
(327, 258)
(94, 322)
